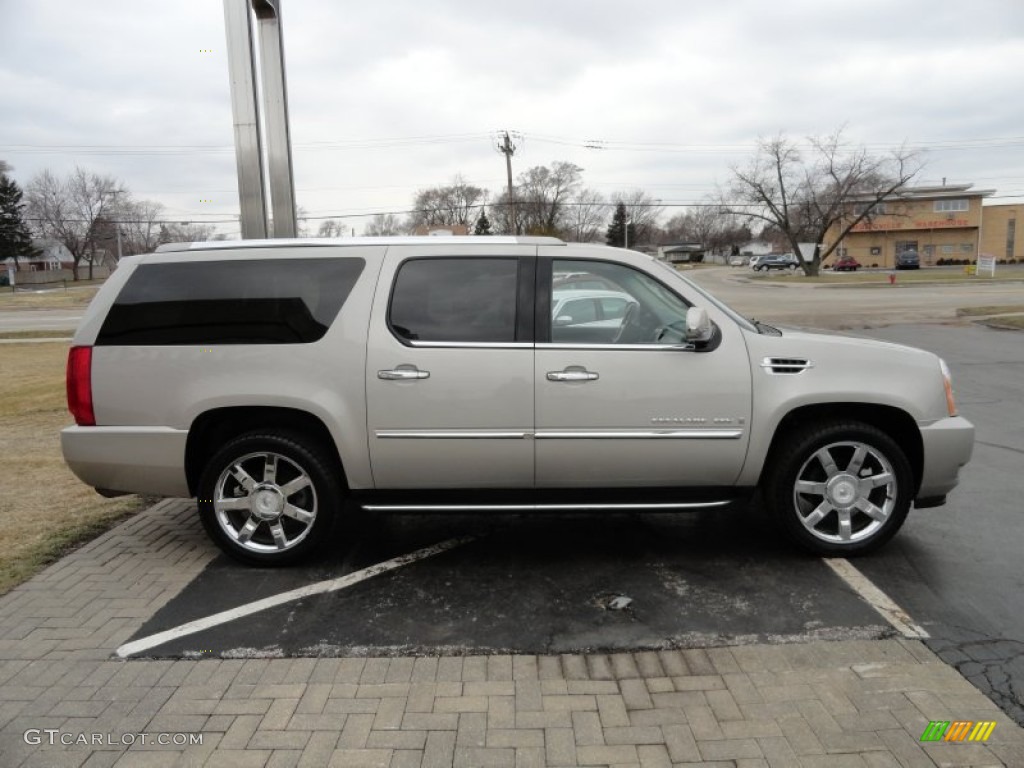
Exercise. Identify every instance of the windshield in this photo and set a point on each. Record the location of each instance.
(736, 316)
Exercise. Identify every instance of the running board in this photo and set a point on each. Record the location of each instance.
(652, 507)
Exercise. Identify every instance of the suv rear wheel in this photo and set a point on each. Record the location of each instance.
(840, 489)
(269, 498)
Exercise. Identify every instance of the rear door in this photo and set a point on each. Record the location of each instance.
(449, 369)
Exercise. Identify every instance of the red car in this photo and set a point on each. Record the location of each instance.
(846, 264)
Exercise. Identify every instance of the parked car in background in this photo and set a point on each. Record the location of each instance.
(737, 261)
(582, 281)
(776, 261)
(846, 264)
(590, 309)
(908, 260)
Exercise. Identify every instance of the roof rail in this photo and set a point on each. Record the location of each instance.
(320, 242)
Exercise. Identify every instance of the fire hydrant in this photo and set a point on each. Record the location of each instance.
(892, 278)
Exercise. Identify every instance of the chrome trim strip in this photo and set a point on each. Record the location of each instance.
(528, 507)
(550, 434)
(470, 344)
(449, 435)
(613, 347)
(654, 434)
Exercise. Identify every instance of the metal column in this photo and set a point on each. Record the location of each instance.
(245, 106)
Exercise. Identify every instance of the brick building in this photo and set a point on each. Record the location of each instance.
(948, 222)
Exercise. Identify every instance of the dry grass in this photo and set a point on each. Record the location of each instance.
(902, 276)
(44, 509)
(51, 334)
(1005, 321)
(992, 309)
(75, 296)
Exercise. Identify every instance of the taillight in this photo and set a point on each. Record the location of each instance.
(947, 382)
(80, 386)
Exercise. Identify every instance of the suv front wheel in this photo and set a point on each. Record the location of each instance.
(840, 489)
(269, 498)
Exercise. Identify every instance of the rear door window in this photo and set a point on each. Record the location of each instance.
(455, 300)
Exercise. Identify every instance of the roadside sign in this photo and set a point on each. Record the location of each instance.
(986, 261)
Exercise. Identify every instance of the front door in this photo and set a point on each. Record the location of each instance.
(620, 401)
(450, 367)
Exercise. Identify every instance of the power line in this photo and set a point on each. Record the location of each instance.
(596, 144)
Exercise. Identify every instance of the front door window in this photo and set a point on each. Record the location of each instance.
(630, 307)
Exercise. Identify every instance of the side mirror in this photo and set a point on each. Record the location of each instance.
(563, 320)
(698, 325)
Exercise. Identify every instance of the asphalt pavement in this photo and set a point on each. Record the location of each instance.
(958, 569)
(39, 319)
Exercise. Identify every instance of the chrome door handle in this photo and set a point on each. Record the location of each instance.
(572, 376)
(402, 374)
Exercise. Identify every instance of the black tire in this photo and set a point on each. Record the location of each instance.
(797, 458)
(273, 528)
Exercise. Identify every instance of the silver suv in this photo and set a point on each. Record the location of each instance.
(275, 380)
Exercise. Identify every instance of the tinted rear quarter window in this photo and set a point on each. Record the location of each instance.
(261, 301)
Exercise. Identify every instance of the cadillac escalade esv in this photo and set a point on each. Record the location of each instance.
(275, 380)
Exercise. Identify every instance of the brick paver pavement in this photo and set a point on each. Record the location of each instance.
(834, 704)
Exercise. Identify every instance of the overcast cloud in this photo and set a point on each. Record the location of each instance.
(677, 90)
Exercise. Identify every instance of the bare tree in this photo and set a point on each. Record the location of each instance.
(185, 232)
(301, 222)
(383, 224)
(501, 215)
(709, 225)
(67, 210)
(642, 212)
(449, 205)
(585, 216)
(542, 194)
(330, 228)
(139, 221)
(804, 198)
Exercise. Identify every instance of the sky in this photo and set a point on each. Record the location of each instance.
(393, 96)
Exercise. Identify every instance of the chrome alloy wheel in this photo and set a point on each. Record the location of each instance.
(845, 492)
(265, 502)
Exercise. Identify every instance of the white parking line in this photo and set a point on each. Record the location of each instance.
(876, 598)
(331, 585)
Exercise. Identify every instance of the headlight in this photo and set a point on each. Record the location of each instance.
(947, 382)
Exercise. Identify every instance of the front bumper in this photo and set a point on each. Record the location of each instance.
(149, 460)
(948, 444)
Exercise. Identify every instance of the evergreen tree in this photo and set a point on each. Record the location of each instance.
(483, 224)
(620, 226)
(15, 239)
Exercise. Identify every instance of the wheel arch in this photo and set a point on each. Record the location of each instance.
(212, 429)
(895, 422)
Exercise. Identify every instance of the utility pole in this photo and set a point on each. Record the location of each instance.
(117, 224)
(508, 149)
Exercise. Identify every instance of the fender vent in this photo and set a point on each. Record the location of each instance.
(780, 365)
